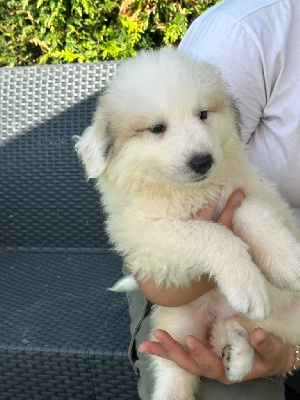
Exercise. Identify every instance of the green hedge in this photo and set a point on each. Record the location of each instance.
(59, 31)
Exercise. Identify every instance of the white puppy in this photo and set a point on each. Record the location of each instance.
(164, 143)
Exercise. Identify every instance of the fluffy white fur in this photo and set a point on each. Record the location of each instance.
(151, 195)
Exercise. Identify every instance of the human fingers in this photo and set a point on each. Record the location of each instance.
(210, 365)
(234, 201)
(170, 349)
(165, 347)
(207, 212)
(176, 352)
(196, 359)
(225, 219)
(154, 348)
(272, 356)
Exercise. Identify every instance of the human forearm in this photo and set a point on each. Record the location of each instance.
(174, 297)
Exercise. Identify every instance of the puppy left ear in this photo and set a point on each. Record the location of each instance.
(92, 147)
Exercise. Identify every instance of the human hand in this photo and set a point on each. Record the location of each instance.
(272, 356)
(234, 201)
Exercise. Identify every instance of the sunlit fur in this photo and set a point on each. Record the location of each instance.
(151, 196)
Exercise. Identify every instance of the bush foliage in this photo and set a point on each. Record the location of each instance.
(57, 31)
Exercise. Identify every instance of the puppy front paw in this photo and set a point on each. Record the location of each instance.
(247, 294)
(231, 343)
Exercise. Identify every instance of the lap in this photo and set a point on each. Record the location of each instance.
(259, 389)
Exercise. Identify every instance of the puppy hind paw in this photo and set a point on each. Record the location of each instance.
(234, 348)
(238, 357)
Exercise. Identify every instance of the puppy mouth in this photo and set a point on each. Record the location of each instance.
(198, 178)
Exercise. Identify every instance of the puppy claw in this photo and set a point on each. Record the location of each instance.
(226, 352)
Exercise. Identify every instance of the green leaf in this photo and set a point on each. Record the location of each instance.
(56, 31)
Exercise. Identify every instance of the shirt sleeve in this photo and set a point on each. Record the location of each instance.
(225, 42)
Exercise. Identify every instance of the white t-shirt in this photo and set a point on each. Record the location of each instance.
(256, 44)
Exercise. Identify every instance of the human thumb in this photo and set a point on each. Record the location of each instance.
(260, 340)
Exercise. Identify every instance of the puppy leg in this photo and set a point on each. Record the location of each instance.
(196, 247)
(231, 342)
(273, 247)
(172, 382)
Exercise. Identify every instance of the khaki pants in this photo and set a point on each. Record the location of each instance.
(259, 389)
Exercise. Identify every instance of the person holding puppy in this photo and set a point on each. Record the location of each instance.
(256, 46)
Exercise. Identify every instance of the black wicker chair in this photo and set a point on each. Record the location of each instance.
(62, 335)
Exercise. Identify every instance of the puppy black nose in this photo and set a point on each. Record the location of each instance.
(201, 163)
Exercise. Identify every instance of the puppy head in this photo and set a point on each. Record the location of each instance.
(164, 118)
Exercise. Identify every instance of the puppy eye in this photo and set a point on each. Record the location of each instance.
(203, 114)
(157, 129)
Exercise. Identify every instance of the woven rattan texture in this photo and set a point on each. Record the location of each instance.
(63, 335)
(44, 196)
(64, 377)
(40, 292)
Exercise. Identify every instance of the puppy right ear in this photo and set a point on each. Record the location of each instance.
(92, 147)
